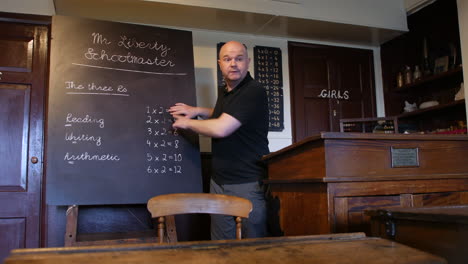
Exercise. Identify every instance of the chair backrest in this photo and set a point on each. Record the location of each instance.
(195, 203)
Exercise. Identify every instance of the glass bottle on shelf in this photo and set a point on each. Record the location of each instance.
(399, 80)
(426, 66)
(416, 73)
(408, 75)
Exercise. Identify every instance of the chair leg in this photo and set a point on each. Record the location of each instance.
(171, 230)
(238, 227)
(161, 227)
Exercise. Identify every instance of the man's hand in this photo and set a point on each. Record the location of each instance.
(190, 111)
(220, 127)
(180, 121)
(180, 109)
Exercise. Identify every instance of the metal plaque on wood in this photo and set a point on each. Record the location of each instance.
(405, 157)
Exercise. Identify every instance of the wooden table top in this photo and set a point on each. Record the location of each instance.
(334, 248)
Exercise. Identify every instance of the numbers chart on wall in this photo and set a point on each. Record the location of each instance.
(268, 72)
(109, 135)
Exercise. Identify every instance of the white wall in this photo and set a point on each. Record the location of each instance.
(204, 43)
(389, 14)
(36, 7)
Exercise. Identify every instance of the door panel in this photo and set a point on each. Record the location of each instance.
(19, 55)
(350, 82)
(312, 75)
(12, 230)
(327, 84)
(14, 109)
(318, 108)
(23, 64)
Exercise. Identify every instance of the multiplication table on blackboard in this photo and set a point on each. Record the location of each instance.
(269, 73)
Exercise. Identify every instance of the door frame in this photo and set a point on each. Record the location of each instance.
(46, 21)
(340, 49)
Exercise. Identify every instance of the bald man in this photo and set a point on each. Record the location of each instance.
(238, 126)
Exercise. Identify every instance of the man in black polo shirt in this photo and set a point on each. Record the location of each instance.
(238, 126)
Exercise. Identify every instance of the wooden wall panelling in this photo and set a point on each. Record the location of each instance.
(341, 215)
(370, 158)
(349, 211)
(442, 198)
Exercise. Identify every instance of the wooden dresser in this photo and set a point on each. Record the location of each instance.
(324, 183)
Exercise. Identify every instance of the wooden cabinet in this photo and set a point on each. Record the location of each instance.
(428, 40)
(325, 183)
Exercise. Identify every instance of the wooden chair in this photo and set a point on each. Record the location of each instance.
(194, 203)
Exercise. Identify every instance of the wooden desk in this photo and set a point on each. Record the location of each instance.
(324, 183)
(440, 230)
(338, 248)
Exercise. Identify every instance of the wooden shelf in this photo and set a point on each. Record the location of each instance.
(368, 124)
(362, 124)
(440, 39)
(428, 79)
(431, 109)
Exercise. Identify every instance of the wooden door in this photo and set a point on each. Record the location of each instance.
(327, 84)
(23, 67)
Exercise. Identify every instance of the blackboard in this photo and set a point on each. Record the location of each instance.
(109, 135)
(269, 73)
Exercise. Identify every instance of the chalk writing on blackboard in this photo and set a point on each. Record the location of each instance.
(79, 138)
(157, 58)
(160, 135)
(129, 43)
(269, 73)
(95, 89)
(90, 157)
(83, 119)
